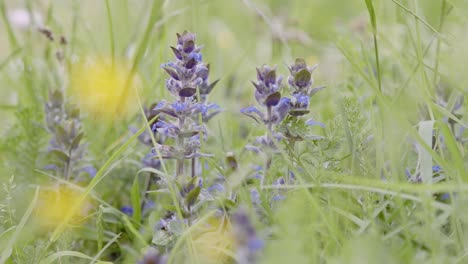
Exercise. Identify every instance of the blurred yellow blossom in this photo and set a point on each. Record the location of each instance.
(225, 39)
(105, 89)
(55, 202)
(213, 240)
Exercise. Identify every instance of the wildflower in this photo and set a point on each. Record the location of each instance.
(276, 108)
(63, 122)
(301, 82)
(267, 88)
(187, 75)
(105, 90)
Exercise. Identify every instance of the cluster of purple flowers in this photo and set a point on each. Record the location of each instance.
(189, 84)
(275, 109)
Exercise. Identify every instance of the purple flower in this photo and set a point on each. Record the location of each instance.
(188, 72)
(217, 187)
(301, 76)
(254, 113)
(281, 110)
(268, 85)
(152, 161)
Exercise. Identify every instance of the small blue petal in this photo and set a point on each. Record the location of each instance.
(279, 181)
(255, 244)
(250, 109)
(148, 205)
(160, 105)
(255, 196)
(257, 167)
(90, 170)
(216, 187)
(154, 127)
(197, 56)
(179, 107)
(128, 210)
(445, 197)
(303, 100)
(278, 198)
(436, 168)
(292, 176)
(50, 167)
(312, 122)
(408, 173)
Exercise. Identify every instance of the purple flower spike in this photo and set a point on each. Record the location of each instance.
(312, 122)
(267, 87)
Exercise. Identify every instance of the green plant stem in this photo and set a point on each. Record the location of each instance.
(111, 32)
(269, 155)
(180, 142)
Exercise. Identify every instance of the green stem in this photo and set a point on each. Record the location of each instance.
(111, 32)
(180, 145)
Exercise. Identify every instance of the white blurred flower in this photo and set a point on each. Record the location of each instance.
(22, 19)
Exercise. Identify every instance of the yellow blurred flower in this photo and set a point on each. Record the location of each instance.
(55, 202)
(213, 241)
(103, 89)
(225, 39)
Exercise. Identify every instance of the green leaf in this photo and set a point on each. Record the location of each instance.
(61, 134)
(60, 155)
(56, 97)
(192, 197)
(161, 238)
(303, 77)
(300, 62)
(371, 11)
(76, 141)
(176, 227)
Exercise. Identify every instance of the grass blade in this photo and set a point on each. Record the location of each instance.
(6, 253)
(136, 200)
(371, 11)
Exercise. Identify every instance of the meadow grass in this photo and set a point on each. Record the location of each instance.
(385, 180)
